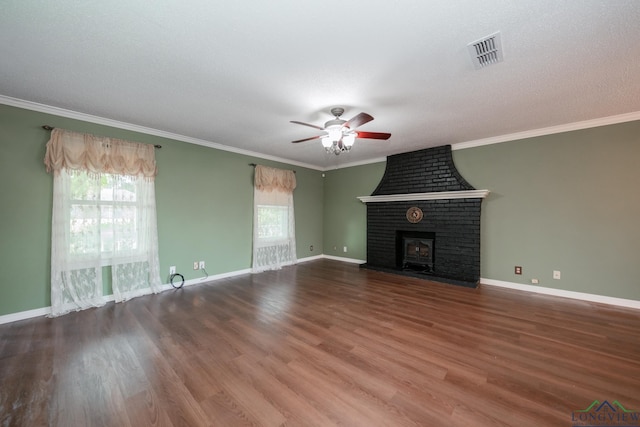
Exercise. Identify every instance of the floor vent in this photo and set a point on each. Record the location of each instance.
(486, 51)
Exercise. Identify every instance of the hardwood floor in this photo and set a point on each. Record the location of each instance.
(321, 344)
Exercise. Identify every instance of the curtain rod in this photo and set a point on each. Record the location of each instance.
(47, 127)
(254, 165)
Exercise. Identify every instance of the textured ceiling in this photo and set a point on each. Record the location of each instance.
(236, 73)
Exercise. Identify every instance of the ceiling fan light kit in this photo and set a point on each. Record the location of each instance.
(340, 134)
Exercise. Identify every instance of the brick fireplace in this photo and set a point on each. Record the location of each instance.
(423, 219)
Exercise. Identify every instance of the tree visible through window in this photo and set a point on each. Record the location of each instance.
(273, 222)
(274, 241)
(104, 215)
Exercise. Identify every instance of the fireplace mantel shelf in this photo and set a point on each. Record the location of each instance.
(439, 195)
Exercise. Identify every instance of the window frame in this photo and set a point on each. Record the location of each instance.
(283, 223)
(106, 257)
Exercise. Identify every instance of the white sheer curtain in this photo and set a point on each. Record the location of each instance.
(104, 214)
(135, 265)
(274, 240)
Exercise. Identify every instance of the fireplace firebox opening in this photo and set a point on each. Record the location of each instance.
(415, 251)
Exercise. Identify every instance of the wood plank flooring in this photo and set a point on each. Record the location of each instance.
(323, 343)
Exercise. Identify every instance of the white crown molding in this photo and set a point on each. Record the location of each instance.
(43, 108)
(568, 127)
(621, 302)
(360, 163)
(586, 124)
(56, 111)
(440, 195)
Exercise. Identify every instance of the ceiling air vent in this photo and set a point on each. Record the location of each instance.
(486, 51)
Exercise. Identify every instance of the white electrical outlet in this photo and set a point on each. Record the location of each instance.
(172, 269)
(344, 249)
(201, 265)
(195, 265)
(556, 274)
(534, 281)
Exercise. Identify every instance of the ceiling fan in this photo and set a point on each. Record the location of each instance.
(341, 134)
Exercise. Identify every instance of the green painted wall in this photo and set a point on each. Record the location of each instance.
(566, 202)
(204, 204)
(345, 217)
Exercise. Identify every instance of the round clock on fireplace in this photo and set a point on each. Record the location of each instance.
(414, 215)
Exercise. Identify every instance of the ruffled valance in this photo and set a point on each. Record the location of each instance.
(269, 179)
(95, 154)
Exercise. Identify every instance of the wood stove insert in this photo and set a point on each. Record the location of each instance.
(415, 251)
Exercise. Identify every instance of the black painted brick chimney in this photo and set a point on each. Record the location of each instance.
(455, 222)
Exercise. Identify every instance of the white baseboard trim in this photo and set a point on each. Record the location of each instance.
(621, 302)
(351, 260)
(22, 315)
(203, 280)
(45, 311)
(311, 258)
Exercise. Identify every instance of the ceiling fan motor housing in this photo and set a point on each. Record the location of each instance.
(337, 122)
(337, 111)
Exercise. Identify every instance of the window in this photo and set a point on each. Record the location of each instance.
(103, 217)
(273, 222)
(274, 241)
(104, 214)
